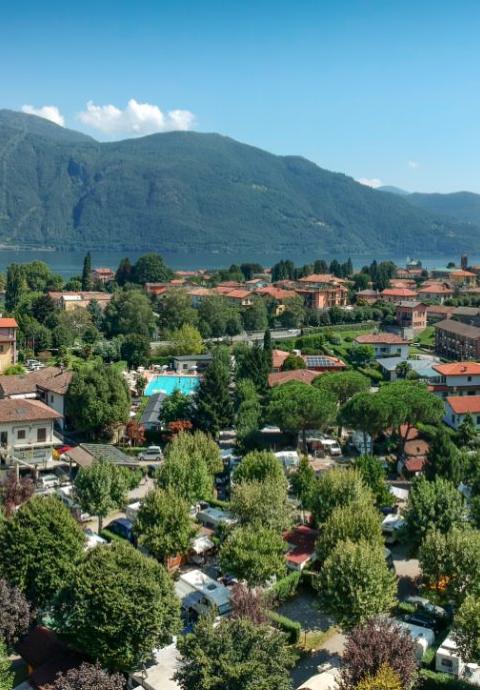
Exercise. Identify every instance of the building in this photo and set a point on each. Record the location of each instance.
(385, 344)
(68, 301)
(278, 296)
(301, 547)
(456, 340)
(424, 367)
(462, 278)
(278, 359)
(239, 296)
(456, 379)
(323, 297)
(411, 316)
(213, 518)
(185, 363)
(323, 363)
(448, 660)
(53, 389)
(396, 295)
(367, 296)
(470, 315)
(8, 342)
(103, 275)
(438, 312)
(26, 432)
(200, 594)
(458, 406)
(302, 375)
(435, 292)
(150, 415)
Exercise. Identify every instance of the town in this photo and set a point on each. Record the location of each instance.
(240, 478)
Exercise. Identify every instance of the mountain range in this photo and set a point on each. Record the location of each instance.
(188, 191)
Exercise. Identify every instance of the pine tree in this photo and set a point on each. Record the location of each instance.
(213, 400)
(124, 272)
(267, 348)
(87, 282)
(15, 286)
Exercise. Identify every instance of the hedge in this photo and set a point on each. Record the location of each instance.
(291, 628)
(217, 503)
(431, 680)
(286, 587)
(110, 536)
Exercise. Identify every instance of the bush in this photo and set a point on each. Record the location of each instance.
(217, 503)
(110, 536)
(286, 587)
(291, 628)
(431, 680)
(373, 374)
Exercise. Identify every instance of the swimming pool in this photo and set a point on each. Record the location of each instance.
(167, 384)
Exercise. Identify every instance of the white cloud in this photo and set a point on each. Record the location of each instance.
(413, 164)
(136, 119)
(370, 182)
(49, 112)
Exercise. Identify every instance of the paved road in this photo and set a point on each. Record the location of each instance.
(134, 495)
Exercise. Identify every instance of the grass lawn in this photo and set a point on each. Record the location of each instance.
(311, 640)
(427, 337)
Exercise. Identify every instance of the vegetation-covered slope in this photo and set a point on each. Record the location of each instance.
(185, 190)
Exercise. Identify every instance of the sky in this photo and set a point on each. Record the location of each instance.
(385, 91)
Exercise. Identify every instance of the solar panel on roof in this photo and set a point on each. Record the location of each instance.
(319, 361)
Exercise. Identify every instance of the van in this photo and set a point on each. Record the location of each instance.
(48, 481)
(331, 446)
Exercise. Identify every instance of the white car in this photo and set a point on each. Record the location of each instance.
(331, 446)
(153, 453)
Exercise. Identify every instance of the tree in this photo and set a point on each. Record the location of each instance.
(259, 465)
(214, 409)
(15, 491)
(262, 503)
(6, 673)
(303, 482)
(124, 272)
(248, 415)
(235, 655)
(186, 340)
(89, 677)
(253, 553)
(432, 505)
(249, 603)
(343, 384)
(15, 613)
(40, 546)
(268, 348)
(191, 461)
(100, 489)
(297, 406)
(385, 679)
(344, 524)
(338, 487)
(293, 315)
(356, 584)
(373, 474)
(374, 645)
(97, 399)
(117, 607)
(466, 629)
(467, 432)
(129, 311)
(218, 317)
(15, 287)
(402, 369)
(151, 268)
(361, 355)
(135, 350)
(135, 432)
(43, 309)
(87, 282)
(293, 362)
(163, 524)
(251, 363)
(364, 412)
(177, 406)
(255, 317)
(443, 458)
(175, 309)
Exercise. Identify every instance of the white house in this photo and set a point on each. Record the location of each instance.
(458, 406)
(448, 660)
(457, 379)
(385, 344)
(200, 593)
(26, 432)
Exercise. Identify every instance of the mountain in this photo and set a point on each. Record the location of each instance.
(188, 191)
(393, 190)
(463, 206)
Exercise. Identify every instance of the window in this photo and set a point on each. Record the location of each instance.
(469, 378)
(41, 435)
(447, 663)
(21, 434)
(478, 419)
(52, 398)
(2, 348)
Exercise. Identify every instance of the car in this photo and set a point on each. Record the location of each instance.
(331, 446)
(48, 481)
(426, 605)
(123, 528)
(151, 453)
(422, 621)
(93, 539)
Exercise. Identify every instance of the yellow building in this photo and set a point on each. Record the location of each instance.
(8, 343)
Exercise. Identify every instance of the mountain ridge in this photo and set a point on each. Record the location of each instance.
(187, 191)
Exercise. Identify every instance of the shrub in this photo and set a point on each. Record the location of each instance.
(286, 587)
(291, 628)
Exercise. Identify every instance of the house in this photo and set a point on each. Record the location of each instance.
(324, 363)
(323, 297)
(448, 660)
(424, 367)
(367, 296)
(185, 363)
(86, 454)
(199, 594)
(199, 294)
(156, 289)
(456, 379)
(435, 292)
(397, 295)
(301, 547)
(239, 296)
(53, 389)
(213, 518)
(438, 312)
(411, 316)
(277, 295)
(157, 673)
(278, 358)
(460, 277)
(319, 280)
(302, 375)
(456, 340)
(68, 301)
(150, 415)
(26, 432)
(458, 406)
(385, 344)
(469, 315)
(103, 275)
(8, 342)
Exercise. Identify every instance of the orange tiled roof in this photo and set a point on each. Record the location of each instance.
(464, 404)
(398, 292)
(321, 278)
(302, 375)
(278, 358)
(458, 369)
(275, 292)
(7, 322)
(380, 339)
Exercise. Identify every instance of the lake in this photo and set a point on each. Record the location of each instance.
(70, 263)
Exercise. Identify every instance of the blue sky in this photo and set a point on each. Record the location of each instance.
(377, 89)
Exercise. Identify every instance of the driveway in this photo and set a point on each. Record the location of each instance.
(407, 570)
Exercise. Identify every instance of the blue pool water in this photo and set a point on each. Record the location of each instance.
(167, 384)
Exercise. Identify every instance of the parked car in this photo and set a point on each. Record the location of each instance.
(426, 605)
(152, 453)
(123, 528)
(331, 446)
(423, 621)
(48, 481)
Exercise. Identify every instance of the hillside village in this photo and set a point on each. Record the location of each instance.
(211, 479)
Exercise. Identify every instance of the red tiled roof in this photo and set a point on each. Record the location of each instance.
(380, 338)
(464, 404)
(415, 464)
(20, 410)
(238, 294)
(463, 274)
(321, 278)
(302, 375)
(458, 369)
(301, 539)
(416, 447)
(7, 322)
(275, 292)
(398, 292)
(278, 358)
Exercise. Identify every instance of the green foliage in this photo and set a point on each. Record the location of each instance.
(135, 350)
(253, 553)
(467, 432)
(117, 606)
(287, 586)
(248, 413)
(361, 355)
(337, 487)
(466, 629)
(218, 317)
(343, 384)
(163, 524)
(303, 482)
(444, 459)
(293, 362)
(87, 282)
(214, 408)
(129, 311)
(431, 680)
(432, 505)
(259, 465)
(101, 488)
(15, 287)
(175, 310)
(385, 679)
(292, 629)
(255, 317)
(39, 549)
(345, 524)
(262, 503)
(97, 399)
(176, 406)
(151, 268)
(252, 363)
(6, 673)
(373, 475)
(355, 583)
(186, 340)
(236, 654)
